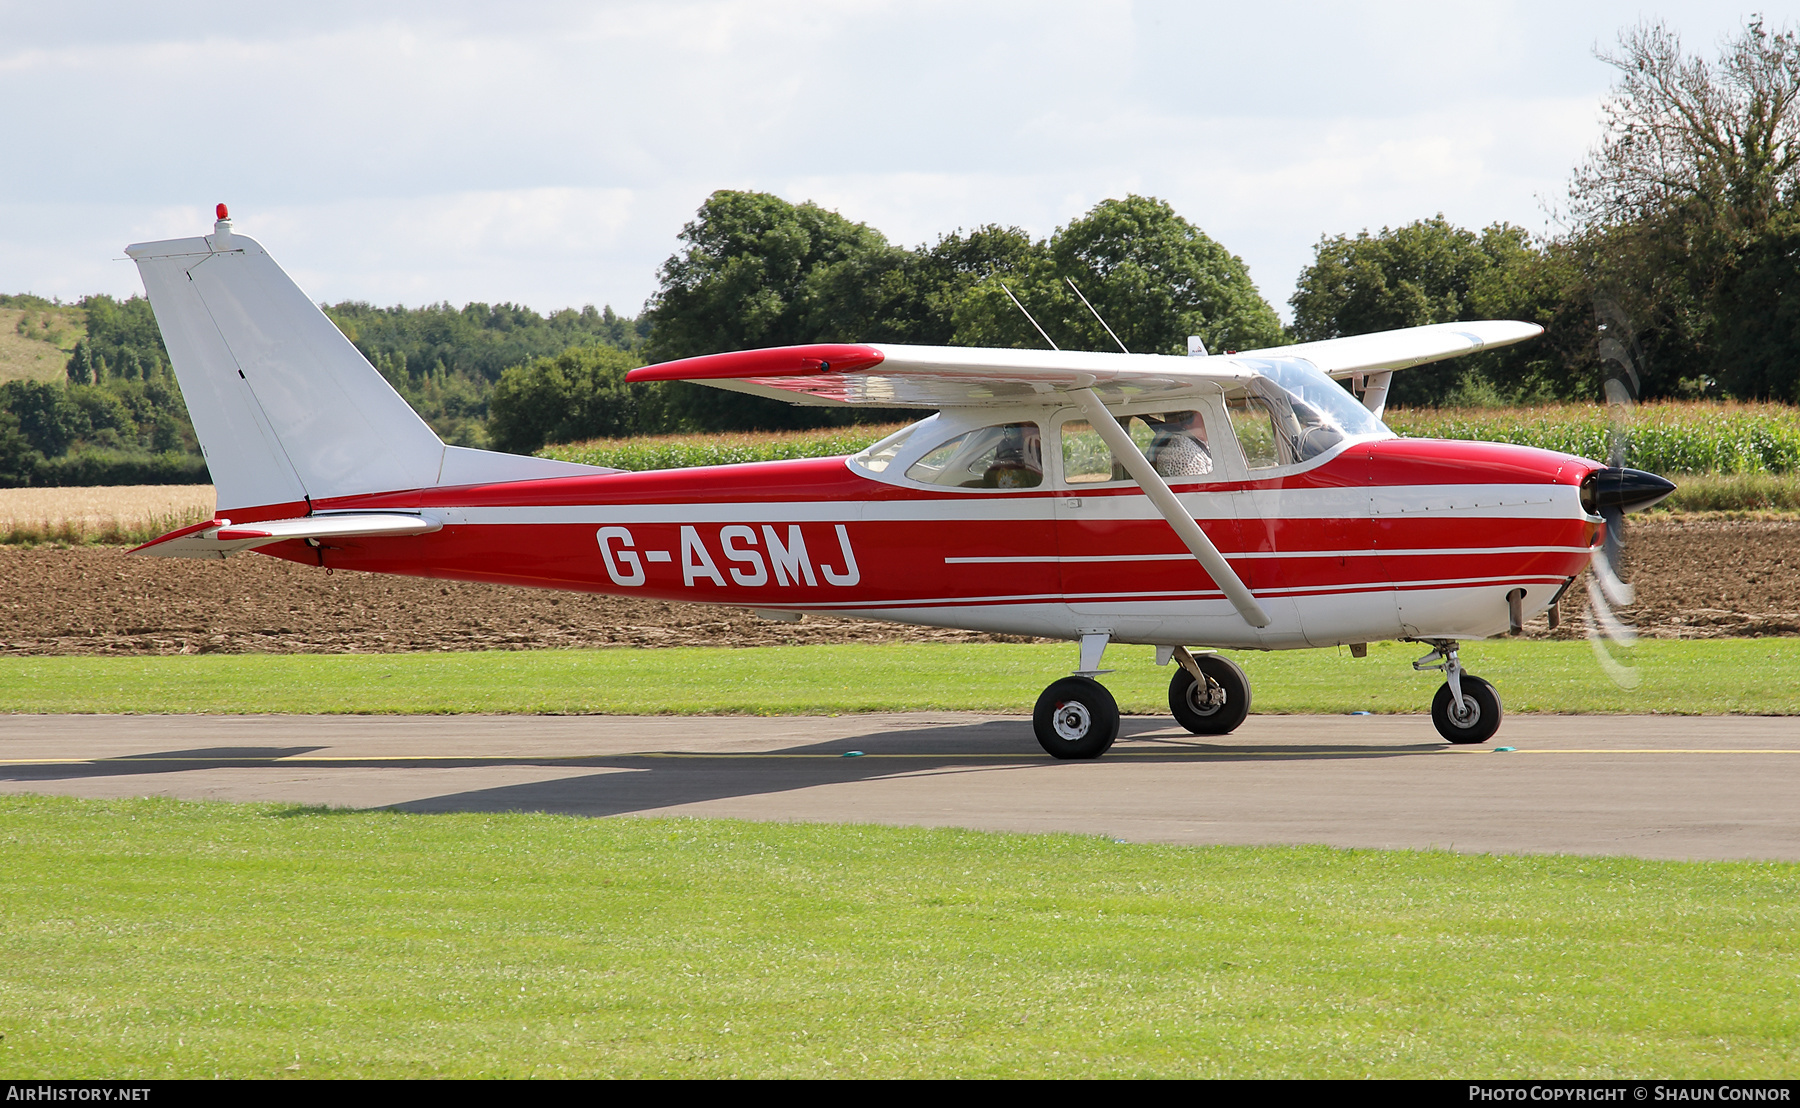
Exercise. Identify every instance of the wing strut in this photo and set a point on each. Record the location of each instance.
(1163, 497)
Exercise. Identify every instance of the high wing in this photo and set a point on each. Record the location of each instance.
(1402, 349)
(893, 375)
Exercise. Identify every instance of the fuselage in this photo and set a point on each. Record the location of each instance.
(1377, 538)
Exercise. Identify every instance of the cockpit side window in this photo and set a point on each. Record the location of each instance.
(878, 457)
(1004, 456)
(1279, 425)
(1254, 425)
(1290, 412)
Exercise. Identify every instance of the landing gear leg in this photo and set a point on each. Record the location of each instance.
(1466, 709)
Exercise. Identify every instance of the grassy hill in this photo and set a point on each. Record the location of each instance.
(35, 341)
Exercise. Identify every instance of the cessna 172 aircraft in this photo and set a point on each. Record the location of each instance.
(1243, 502)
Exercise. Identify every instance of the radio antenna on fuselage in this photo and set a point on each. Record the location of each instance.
(1091, 308)
(1034, 323)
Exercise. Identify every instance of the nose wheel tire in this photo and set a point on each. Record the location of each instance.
(1076, 718)
(1218, 707)
(1476, 720)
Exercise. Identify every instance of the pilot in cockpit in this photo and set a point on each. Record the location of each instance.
(1018, 460)
(1179, 446)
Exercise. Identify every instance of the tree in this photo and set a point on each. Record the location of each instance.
(1684, 211)
(578, 394)
(946, 275)
(1154, 277)
(19, 460)
(1756, 342)
(1430, 271)
(123, 340)
(444, 360)
(49, 419)
(1714, 146)
(759, 271)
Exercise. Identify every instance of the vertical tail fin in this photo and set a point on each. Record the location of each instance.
(287, 410)
(285, 407)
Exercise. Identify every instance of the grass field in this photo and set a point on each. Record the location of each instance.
(1748, 676)
(162, 939)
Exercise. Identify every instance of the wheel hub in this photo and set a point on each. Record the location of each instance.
(1467, 714)
(1072, 720)
(1206, 700)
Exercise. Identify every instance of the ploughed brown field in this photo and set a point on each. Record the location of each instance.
(1696, 578)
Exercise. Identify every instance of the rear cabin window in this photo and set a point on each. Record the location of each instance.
(1174, 442)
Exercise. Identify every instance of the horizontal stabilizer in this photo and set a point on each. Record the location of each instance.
(217, 538)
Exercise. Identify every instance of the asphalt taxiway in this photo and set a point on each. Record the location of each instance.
(1652, 786)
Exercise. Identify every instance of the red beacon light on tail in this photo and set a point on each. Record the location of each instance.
(221, 239)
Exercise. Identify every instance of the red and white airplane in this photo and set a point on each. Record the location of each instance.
(1242, 502)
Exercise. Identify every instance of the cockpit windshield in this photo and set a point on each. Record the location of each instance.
(1310, 412)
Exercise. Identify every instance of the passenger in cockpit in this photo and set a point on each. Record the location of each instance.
(1179, 448)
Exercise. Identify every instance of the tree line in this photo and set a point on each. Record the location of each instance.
(1683, 221)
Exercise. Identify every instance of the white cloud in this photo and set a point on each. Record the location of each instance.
(549, 153)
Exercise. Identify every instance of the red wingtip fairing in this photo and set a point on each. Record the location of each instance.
(779, 361)
(224, 212)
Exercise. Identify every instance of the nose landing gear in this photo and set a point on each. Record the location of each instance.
(1466, 709)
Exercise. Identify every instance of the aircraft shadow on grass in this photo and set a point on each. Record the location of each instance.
(622, 784)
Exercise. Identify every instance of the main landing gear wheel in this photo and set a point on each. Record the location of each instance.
(1476, 720)
(1218, 707)
(1076, 718)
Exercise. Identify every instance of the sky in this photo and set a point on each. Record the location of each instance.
(549, 153)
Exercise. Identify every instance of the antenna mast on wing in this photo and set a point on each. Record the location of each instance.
(1034, 322)
(1091, 308)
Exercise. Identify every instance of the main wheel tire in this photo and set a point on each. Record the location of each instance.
(1480, 717)
(1076, 718)
(1205, 710)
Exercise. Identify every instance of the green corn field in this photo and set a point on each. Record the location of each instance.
(1669, 437)
(1672, 437)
